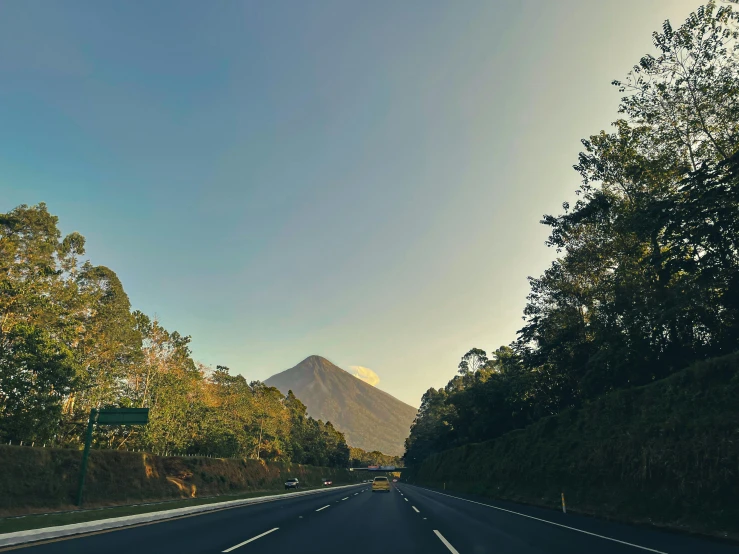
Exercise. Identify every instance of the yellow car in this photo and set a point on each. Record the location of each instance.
(381, 484)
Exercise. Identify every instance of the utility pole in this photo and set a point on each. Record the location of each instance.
(86, 454)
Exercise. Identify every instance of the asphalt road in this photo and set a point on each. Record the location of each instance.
(406, 520)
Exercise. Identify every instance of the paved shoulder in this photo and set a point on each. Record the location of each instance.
(481, 525)
(208, 532)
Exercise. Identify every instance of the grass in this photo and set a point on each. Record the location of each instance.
(39, 521)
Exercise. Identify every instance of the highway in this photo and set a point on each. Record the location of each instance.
(408, 519)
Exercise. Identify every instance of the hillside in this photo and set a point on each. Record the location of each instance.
(370, 418)
(661, 454)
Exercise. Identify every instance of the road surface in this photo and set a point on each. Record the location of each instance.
(406, 520)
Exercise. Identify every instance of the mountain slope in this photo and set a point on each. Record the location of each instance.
(371, 419)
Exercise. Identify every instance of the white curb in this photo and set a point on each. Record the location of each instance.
(32, 535)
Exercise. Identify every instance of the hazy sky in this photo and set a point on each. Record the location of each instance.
(360, 180)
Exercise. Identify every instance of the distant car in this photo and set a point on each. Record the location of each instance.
(327, 482)
(292, 484)
(381, 484)
(395, 480)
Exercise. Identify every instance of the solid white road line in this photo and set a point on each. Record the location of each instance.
(326, 506)
(251, 539)
(446, 543)
(549, 522)
(347, 498)
(417, 510)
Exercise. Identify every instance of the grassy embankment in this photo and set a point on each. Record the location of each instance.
(35, 480)
(665, 454)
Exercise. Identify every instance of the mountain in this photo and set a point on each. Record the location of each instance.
(370, 419)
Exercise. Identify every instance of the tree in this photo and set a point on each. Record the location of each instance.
(362, 458)
(647, 275)
(39, 321)
(472, 361)
(687, 95)
(36, 372)
(109, 343)
(69, 342)
(298, 414)
(432, 428)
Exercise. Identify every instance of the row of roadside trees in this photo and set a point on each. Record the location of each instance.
(646, 280)
(69, 342)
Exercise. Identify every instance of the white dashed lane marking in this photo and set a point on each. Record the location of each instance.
(251, 540)
(446, 543)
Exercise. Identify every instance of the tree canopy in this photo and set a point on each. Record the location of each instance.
(69, 342)
(646, 280)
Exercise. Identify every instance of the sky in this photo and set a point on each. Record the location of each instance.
(359, 180)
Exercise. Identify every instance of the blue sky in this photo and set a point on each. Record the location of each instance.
(359, 180)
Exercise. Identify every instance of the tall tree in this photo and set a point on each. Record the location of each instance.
(647, 277)
(472, 361)
(39, 321)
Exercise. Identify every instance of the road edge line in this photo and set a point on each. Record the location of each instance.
(545, 521)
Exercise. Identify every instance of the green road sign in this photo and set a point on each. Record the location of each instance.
(123, 416)
(108, 416)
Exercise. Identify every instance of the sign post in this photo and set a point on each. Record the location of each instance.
(107, 416)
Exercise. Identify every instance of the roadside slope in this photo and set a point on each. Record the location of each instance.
(45, 479)
(665, 454)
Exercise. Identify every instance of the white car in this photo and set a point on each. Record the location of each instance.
(292, 483)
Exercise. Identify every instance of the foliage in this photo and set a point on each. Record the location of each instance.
(39, 479)
(69, 342)
(362, 458)
(646, 280)
(664, 453)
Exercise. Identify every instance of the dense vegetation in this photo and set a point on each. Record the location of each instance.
(362, 458)
(39, 479)
(664, 453)
(646, 280)
(69, 342)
